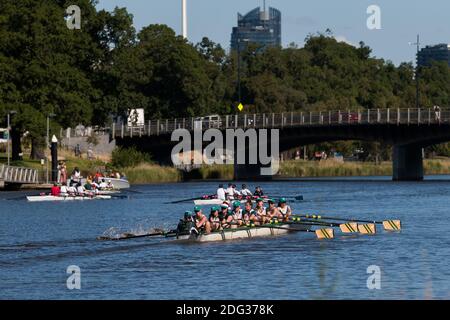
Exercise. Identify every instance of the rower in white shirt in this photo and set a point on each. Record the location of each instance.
(64, 190)
(246, 192)
(221, 193)
(230, 191)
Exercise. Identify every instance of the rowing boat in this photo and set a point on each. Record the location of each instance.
(244, 233)
(65, 198)
(213, 202)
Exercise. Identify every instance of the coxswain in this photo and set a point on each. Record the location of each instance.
(284, 209)
(186, 224)
(214, 219)
(55, 190)
(221, 193)
(258, 192)
(201, 221)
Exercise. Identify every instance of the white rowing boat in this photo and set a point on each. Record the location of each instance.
(207, 202)
(213, 202)
(244, 233)
(66, 198)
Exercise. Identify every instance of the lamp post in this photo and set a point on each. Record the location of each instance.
(8, 142)
(47, 143)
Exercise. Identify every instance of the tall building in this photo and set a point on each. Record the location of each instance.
(440, 52)
(261, 27)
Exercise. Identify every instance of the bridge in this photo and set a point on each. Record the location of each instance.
(16, 176)
(407, 130)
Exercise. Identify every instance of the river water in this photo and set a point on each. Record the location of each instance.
(38, 241)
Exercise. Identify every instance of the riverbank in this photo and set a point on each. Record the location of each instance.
(147, 173)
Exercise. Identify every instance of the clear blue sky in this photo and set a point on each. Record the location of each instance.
(401, 20)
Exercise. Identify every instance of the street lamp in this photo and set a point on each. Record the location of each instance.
(8, 120)
(47, 142)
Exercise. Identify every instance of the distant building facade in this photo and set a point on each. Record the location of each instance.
(440, 52)
(260, 27)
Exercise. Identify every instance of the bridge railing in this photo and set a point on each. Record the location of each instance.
(288, 119)
(10, 174)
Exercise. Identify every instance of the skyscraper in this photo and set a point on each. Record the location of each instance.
(261, 27)
(440, 52)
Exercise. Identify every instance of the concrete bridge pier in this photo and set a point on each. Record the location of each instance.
(407, 163)
(249, 172)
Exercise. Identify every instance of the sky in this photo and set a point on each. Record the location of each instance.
(401, 21)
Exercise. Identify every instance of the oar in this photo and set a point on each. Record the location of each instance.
(184, 200)
(325, 233)
(295, 197)
(348, 227)
(127, 236)
(390, 225)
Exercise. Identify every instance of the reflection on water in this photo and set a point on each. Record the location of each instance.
(38, 241)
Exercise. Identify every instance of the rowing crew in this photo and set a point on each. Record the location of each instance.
(78, 189)
(232, 193)
(231, 217)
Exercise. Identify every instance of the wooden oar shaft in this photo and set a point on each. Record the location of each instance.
(318, 217)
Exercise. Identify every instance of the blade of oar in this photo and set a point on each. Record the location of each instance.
(369, 228)
(389, 225)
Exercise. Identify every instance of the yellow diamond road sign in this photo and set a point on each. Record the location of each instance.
(240, 107)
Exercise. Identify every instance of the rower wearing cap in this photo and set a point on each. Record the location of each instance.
(237, 214)
(201, 222)
(214, 219)
(272, 210)
(225, 215)
(249, 215)
(186, 224)
(284, 209)
(260, 211)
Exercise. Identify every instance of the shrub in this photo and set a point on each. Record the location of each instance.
(128, 157)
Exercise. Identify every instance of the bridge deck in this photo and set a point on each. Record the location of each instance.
(288, 119)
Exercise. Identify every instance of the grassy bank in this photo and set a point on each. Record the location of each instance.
(346, 169)
(150, 173)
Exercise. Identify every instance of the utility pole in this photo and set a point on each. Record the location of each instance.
(417, 72)
(184, 18)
